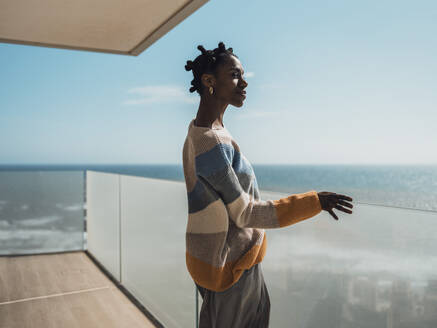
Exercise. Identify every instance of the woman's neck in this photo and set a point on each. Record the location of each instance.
(210, 114)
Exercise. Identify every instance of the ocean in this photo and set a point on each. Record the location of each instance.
(405, 186)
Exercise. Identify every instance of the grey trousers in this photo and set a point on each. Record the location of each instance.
(244, 304)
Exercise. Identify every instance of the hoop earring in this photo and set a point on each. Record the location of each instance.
(211, 90)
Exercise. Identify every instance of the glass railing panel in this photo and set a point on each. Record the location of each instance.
(410, 186)
(153, 225)
(41, 211)
(373, 268)
(103, 219)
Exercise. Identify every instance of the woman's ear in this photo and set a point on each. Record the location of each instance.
(208, 80)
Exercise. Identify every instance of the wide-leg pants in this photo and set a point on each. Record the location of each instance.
(244, 304)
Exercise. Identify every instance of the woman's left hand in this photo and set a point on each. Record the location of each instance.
(330, 200)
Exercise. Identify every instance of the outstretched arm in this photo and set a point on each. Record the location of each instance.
(214, 167)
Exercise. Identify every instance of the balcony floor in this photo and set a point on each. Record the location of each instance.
(62, 290)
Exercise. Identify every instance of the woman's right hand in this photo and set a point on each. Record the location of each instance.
(330, 200)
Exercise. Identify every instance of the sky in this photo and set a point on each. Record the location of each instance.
(329, 82)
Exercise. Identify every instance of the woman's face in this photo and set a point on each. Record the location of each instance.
(229, 83)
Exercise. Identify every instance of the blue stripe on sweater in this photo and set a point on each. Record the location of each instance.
(214, 180)
(228, 189)
(241, 165)
(200, 197)
(214, 160)
(218, 158)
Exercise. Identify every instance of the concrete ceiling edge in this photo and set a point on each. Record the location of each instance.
(159, 32)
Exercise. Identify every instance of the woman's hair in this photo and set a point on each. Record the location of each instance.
(207, 62)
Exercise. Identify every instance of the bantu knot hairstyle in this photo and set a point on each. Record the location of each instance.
(207, 62)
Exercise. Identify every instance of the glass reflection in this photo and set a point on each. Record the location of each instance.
(374, 268)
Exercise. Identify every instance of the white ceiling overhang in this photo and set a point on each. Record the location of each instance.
(126, 27)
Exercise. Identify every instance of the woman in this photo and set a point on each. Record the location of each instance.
(225, 237)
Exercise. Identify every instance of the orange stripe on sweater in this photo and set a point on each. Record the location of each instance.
(297, 207)
(220, 279)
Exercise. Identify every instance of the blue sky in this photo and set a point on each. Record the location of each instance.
(330, 82)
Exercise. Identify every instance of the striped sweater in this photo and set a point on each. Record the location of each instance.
(226, 219)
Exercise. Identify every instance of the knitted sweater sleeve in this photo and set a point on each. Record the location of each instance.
(221, 169)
